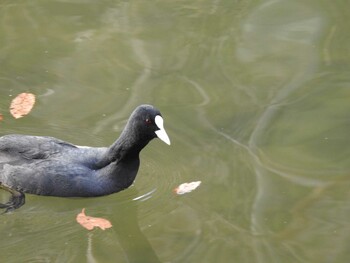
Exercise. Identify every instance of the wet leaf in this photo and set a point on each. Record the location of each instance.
(1, 117)
(90, 222)
(186, 187)
(22, 105)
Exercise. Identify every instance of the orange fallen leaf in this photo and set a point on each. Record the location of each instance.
(90, 222)
(22, 105)
(1, 117)
(186, 187)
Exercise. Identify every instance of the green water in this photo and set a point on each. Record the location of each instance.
(255, 98)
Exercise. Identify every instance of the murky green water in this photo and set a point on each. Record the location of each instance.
(255, 96)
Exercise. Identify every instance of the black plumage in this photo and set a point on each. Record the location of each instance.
(48, 166)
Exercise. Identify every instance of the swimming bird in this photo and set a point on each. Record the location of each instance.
(48, 166)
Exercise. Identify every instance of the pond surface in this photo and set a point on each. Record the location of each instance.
(255, 98)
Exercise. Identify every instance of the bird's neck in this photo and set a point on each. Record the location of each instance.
(127, 146)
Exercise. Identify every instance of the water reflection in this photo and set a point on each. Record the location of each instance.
(255, 97)
(125, 237)
(131, 239)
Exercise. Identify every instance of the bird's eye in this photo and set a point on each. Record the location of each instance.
(148, 121)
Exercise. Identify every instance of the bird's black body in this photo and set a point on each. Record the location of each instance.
(49, 166)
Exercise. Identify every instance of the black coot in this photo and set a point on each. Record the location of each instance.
(48, 166)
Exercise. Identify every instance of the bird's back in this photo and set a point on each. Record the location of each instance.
(23, 148)
(48, 166)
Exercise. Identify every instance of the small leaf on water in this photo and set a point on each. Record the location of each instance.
(1, 117)
(186, 187)
(22, 105)
(90, 222)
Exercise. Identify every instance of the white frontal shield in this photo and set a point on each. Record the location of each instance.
(161, 133)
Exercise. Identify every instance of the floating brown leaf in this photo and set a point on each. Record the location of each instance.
(186, 187)
(1, 117)
(90, 222)
(22, 104)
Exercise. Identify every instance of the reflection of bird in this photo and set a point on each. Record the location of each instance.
(49, 166)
